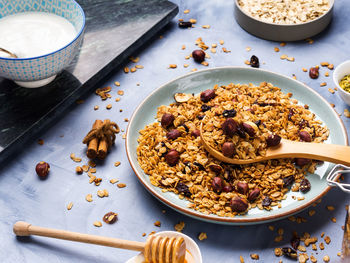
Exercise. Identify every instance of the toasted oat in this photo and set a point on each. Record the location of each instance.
(133, 69)
(326, 74)
(321, 245)
(121, 185)
(144, 234)
(109, 106)
(117, 83)
(213, 50)
(205, 63)
(186, 65)
(91, 163)
(312, 212)
(304, 69)
(303, 258)
(97, 224)
(85, 168)
(116, 164)
(324, 64)
(241, 259)
(186, 11)
(322, 234)
(193, 21)
(69, 206)
(126, 69)
(334, 220)
(96, 107)
(284, 56)
(272, 228)
(278, 239)
(157, 223)
(278, 252)
(327, 239)
(247, 62)
(202, 236)
(346, 113)
(88, 197)
(102, 193)
(326, 258)
(330, 66)
(248, 49)
(311, 240)
(206, 26)
(283, 44)
(301, 248)
(225, 50)
(221, 42)
(172, 66)
(74, 158)
(314, 247)
(179, 226)
(323, 84)
(113, 181)
(254, 256)
(194, 69)
(292, 59)
(309, 40)
(120, 92)
(276, 49)
(79, 170)
(117, 99)
(330, 208)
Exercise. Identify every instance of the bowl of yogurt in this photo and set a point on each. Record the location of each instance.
(44, 35)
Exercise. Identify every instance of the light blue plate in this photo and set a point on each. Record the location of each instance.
(206, 79)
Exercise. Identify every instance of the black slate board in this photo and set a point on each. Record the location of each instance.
(114, 30)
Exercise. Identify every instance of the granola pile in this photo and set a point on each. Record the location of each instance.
(171, 153)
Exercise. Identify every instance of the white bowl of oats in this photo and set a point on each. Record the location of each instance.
(281, 20)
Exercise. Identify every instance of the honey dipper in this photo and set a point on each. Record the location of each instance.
(157, 249)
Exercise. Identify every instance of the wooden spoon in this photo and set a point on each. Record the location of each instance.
(8, 52)
(157, 249)
(290, 149)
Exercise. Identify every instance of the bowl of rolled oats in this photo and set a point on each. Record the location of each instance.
(281, 20)
(165, 150)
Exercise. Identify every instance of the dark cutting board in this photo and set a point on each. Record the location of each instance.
(114, 30)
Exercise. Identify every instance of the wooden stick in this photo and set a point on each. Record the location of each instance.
(93, 144)
(25, 229)
(102, 147)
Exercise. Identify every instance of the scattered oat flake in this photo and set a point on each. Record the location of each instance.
(135, 60)
(304, 69)
(117, 99)
(214, 45)
(326, 258)
(323, 84)
(276, 49)
(331, 90)
(79, 170)
(327, 239)
(157, 223)
(88, 197)
(194, 69)
(312, 212)
(330, 207)
(117, 83)
(139, 66)
(85, 168)
(179, 226)
(113, 181)
(213, 50)
(186, 11)
(292, 59)
(91, 163)
(187, 57)
(324, 64)
(96, 107)
(326, 74)
(321, 245)
(126, 70)
(192, 20)
(144, 234)
(339, 254)
(120, 92)
(186, 65)
(272, 228)
(346, 113)
(254, 256)
(248, 48)
(225, 50)
(206, 26)
(221, 42)
(121, 185)
(75, 159)
(132, 70)
(41, 142)
(116, 164)
(172, 66)
(330, 66)
(284, 56)
(97, 224)
(278, 252)
(69, 206)
(322, 234)
(334, 220)
(109, 106)
(204, 63)
(283, 44)
(241, 259)
(123, 136)
(202, 236)
(183, 47)
(309, 40)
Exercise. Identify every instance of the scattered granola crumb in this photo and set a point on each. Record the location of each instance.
(144, 234)
(133, 69)
(331, 90)
(326, 74)
(278, 252)
(225, 50)
(241, 259)
(88, 197)
(334, 220)
(91, 163)
(121, 185)
(324, 64)
(346, 113)
(323, 84)
(186, 11)
(117, 99)
(283, 44)
(179, 226)
(79, 170)
(172, 66)
(41, 142)
(326, 258)
(206, 26)
(192, 20)
(272, 228)
(292, 59)
(247, 62)
(109, 106)
(254, 256)
(97, 224)
(322, 234)
(157, 223)
(248, 49)
(204, 63)
(304, 69)
(194, 69)
(321, 245)
(113, 181)
(330, 207)
(69, 206)
(310, 41)
(75, 159)
(120, 92)
(330, 66)
(117, 83)
(221, 42)
(202, 236)
(213, 50)
(96, 107)
(312, 212)
(327, 239)
(284, 56)
(186, 65)
(183, 47)
(116, 164)
(126, 70)
(276, 49)
(339, 254)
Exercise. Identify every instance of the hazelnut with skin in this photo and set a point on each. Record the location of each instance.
(42, 169)
(198, 55)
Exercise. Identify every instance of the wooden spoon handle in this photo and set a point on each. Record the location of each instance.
(25, 229)
(318, 151)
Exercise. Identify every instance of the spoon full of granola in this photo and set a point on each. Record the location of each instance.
(237, 150)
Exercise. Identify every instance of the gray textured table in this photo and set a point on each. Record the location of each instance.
(24, 197)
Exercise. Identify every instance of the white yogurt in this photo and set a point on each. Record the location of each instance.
(32, 34)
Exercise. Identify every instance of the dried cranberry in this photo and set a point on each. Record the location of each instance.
(240, 131)
(205, 107)
(305, 185)
(217, 184)
(229, 113)
(182, 188)
(288, 180)
(254, 62)
(266, 201)
(184, 24)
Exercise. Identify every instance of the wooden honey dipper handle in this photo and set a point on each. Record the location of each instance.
(21, 228)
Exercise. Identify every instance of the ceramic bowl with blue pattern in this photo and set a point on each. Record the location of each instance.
(38, 71)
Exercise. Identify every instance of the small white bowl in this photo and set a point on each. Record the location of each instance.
(191, 247)
(340, 71)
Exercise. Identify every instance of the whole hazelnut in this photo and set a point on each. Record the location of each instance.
(195, 133)
(198, 55)
(250, 128)
(172, 157)
(227, 188)
(42, 169)
(229, 127)
(207, 95)
(217, 184)
(173, 134)
(305, 136)
(239, 204)
(167, 120)
(313, 73)
(228, 149)
(242, 188)
(253, 194)
(302, 161)
(273, 140)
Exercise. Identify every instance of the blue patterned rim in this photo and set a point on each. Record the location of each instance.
(78, 35)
